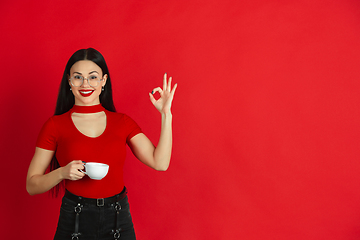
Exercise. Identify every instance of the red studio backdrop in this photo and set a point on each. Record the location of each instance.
(266, 114)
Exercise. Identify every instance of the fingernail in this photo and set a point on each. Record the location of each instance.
(152, 92)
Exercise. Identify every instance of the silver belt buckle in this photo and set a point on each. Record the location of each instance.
(100, 202)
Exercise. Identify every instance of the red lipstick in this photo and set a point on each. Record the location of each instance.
(86, 93)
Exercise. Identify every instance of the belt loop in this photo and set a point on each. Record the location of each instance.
(100, 202)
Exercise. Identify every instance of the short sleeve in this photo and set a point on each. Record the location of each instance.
(132, 127)
(47, 138)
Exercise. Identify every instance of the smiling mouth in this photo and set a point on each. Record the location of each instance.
(86, 93)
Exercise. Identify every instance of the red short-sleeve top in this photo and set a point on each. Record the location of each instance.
(59, 134)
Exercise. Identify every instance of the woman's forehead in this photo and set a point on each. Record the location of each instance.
(85, 66)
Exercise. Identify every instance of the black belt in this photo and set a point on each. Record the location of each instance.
(96, 201)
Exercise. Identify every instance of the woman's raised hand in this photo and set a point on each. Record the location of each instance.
(71, 170)
(163, 104)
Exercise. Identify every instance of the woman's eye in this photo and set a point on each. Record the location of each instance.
(77, 77)
(93, 77)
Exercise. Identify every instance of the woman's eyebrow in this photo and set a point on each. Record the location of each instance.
(89, 72)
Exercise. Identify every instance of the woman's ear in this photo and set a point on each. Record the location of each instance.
(68, 78)
(104, 79)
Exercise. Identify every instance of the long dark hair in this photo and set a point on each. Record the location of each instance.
(66, 100)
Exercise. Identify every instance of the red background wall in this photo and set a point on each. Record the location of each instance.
(266, 115)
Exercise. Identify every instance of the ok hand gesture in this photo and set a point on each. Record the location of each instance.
(163, 104)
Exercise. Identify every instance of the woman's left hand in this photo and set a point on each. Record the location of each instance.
(163, 104)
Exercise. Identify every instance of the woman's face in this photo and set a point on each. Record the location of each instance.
(86, 92)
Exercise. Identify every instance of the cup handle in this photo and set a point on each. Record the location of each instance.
(85, 168)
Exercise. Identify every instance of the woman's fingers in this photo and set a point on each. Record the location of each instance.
(173, 90)
(166, 85)
(164, 82)
(74, 173)
(79, 167)
(77, 175)
(169, 84)
(152, 99)
(158, 89)
(163, 104)
(165, 90)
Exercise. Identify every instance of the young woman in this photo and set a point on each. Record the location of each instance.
(86, 128)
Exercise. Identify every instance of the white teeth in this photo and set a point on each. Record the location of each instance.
(86, 92)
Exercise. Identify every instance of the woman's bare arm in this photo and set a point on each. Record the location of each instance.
(157, 157)
(38, 182)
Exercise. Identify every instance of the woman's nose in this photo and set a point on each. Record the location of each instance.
(87, 82)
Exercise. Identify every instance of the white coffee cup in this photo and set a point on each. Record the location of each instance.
(96, 171)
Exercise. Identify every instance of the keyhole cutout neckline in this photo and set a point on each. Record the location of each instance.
(88, 110)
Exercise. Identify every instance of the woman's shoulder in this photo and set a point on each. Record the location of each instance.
(59, 117)
(56, 120)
